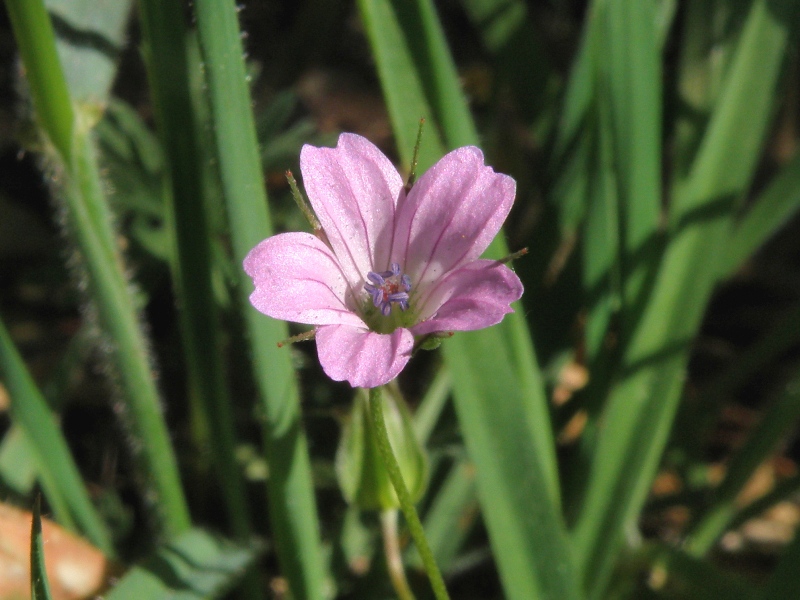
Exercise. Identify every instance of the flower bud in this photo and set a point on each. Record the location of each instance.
(359, 468)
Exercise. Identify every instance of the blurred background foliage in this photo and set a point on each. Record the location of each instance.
(629, 433)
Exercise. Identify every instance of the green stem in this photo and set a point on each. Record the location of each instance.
(76, 176)
(406, 505)
(394, 558)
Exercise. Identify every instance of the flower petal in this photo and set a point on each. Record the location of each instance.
(353, 189)
(361, 357)
(450, 215)
(474, 296)
(297, 278)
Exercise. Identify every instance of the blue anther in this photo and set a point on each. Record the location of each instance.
(387, 288)
(377, 278)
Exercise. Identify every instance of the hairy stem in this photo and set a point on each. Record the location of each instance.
(406, 505)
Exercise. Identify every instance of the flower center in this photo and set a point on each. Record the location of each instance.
(388, 288)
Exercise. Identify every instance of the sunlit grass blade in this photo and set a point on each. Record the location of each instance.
(401, 82)
(574, 143)
(40, 586)
(419, 23)
(601, 250)
(432, 404)
(631, 87)
(782, 491)
(294, 519)
(168, 69)
(17, 462)
(499, 395)
(641, 407)
(55, 466)
(770, 210)
(36, 40)
(620, 247)
(602, 242)
(780, 419)
(89, 220)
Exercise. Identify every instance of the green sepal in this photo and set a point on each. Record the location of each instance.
(359, 468)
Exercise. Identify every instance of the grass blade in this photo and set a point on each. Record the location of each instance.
(40, 586)
(778, 421)
(400, 82)
(771, 210)
(641, 407)
(451, 517)
(292, 505)
(419, 22)
(58, 472)
(168, 68)
(631, 78)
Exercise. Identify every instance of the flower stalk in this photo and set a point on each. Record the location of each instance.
(406, 505)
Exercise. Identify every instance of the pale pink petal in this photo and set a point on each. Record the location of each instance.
(450, 215)
(361, 357)
(474, 296)
(354, 189)
(297, 278)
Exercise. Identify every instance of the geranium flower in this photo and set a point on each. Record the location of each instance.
(393, 265)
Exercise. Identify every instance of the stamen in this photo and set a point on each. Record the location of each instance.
(377, 279)
(387, 288)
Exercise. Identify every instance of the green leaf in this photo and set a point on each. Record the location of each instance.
(195, 565)
(90, 39)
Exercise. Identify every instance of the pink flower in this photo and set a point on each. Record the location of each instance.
(395, 265)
